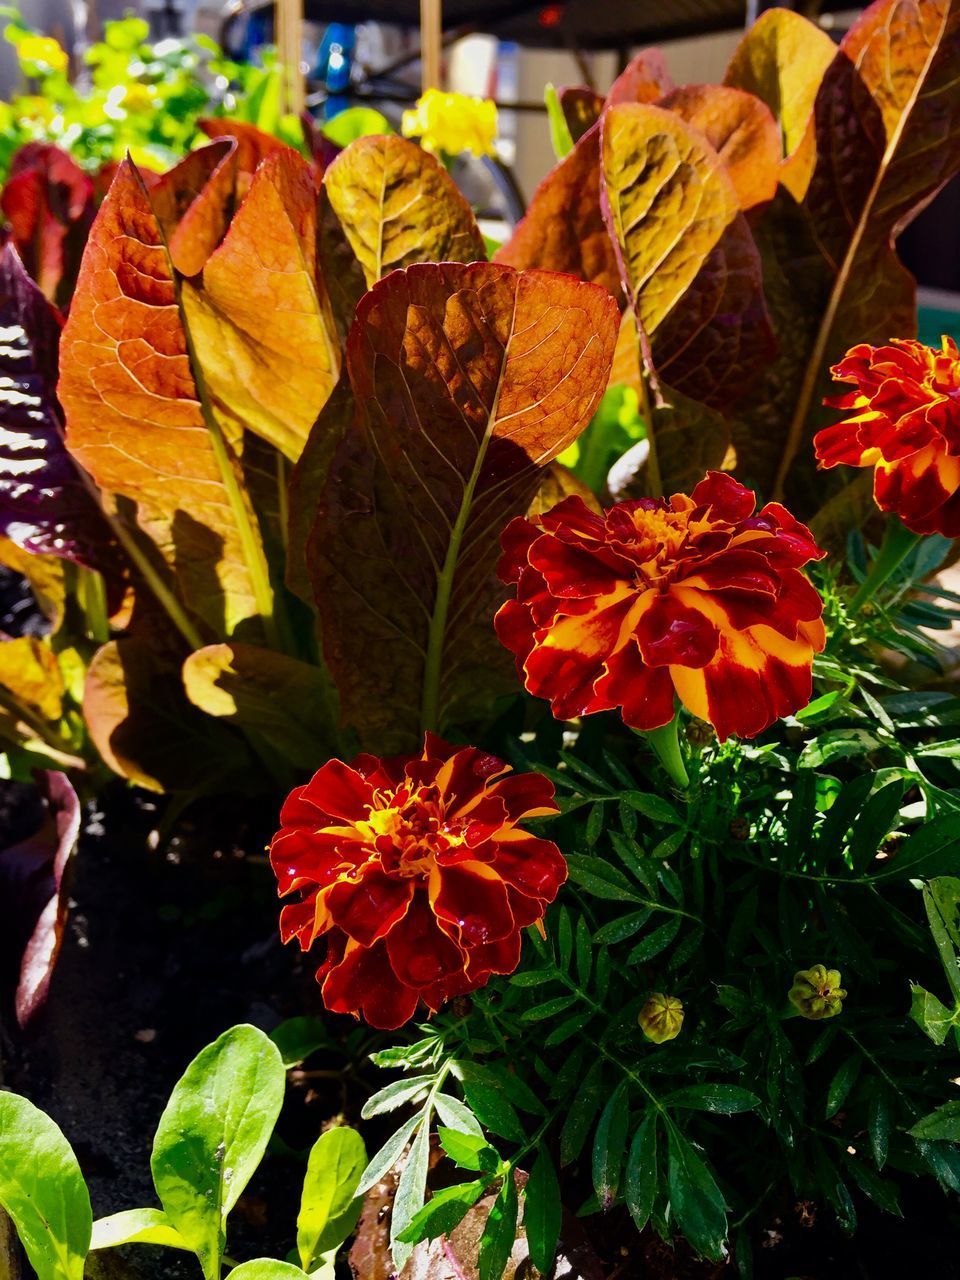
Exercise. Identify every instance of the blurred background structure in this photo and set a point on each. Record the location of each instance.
(368, 52)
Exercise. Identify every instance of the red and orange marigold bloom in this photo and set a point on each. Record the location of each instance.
(417, 872)
(693, 596)
(905, 423)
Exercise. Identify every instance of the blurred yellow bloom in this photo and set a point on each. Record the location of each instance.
(42, 51)
(137, 97)
(452, 123)
(35, 107)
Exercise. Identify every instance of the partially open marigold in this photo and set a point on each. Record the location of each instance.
(906, 424)
(418, 873)
(694, 596)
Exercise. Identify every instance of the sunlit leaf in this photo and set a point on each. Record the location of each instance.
(741, 130)
(688, 261)
(30, 677)
(581, 108)
(194, 201)
(140, 424)
(329, 1206)
(136, 1226)
(145, 727)
(398, 205)
(253, 145)
(645, 78)
(212, 1135)
(467, 379)
(288, 704)
(260, 319)
(563, 228)
(42, 1189)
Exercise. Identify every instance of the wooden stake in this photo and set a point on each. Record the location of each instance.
(431, 44)
(289, 31)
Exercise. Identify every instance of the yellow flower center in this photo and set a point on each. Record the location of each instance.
(408, 829)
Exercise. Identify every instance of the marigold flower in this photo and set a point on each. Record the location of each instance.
(816, 993)
(694, 596)
(417, 871)
(906, 425)
(452, 123)
(661, 1018)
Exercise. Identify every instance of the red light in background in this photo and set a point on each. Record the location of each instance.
(551, 15)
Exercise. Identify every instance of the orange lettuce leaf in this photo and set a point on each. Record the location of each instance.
(253, 145)
(563, 228)
(741, 130)
(139, 423)
(48, 202)
(44, 575)
(33, 890)
(307, 481)
(781, 60)
(467, 380)
(259, 318)
(398, 205)
(687, 258)
(283, 705)
(888, 138)
(645, 78)
(148, 731)
(30, 678)
(194, 202)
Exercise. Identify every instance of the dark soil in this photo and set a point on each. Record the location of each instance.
(170, 941)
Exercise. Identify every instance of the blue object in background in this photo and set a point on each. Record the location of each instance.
(334, 60)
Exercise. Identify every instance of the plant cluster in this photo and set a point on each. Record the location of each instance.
(687, 918)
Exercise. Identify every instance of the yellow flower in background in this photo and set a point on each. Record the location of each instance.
(661, 1018)
(42, 51)
(452, 123)
(137, 98)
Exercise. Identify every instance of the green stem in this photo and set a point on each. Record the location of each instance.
(666, 746)
(898, 542)
(650, 394)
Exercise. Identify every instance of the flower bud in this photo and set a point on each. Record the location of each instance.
(816, 993)
(661, 1017)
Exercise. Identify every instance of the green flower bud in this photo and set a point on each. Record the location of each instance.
(661, 1018)
(816, 993)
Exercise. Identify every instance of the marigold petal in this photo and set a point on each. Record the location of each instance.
(672, 631)
(644, 693)
(368, 908)
(362, 981)
(502, 956)
(472, 899)
(421, 954)
(339, 790)
(727, 498)
(534, 866)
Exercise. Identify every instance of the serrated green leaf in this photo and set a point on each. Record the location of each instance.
(584, 952)
(463, 1148)
(389, 1154)
(640, 1186)
(542, 1212)
(656, 940)
(549, 1009)
(456, 1115)
(695, 1198)
(411, 1193)
(933, 850)
(212, 1135)
(722, 1099)
(842, 1083)
(594, 824)
(493, 1110)
(500, 1232)
(652, 806)
(942, 1125)
(443, 1211)
(610, 1146)
(625, 927)
(600, 879)
(43, 1191)
(580, 1116)
(396, 1095)
(569, 1027)
(930, 1014)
